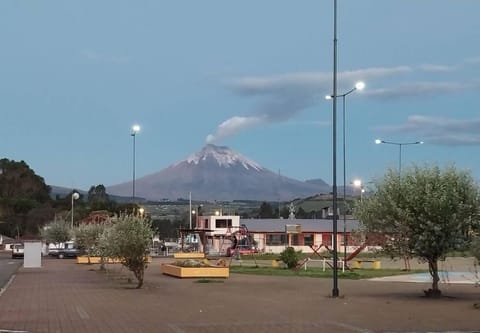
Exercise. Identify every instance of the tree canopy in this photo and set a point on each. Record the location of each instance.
(25, 202)
(129, 239)
(426, 213)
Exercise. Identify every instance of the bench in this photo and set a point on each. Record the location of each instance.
(375, 263)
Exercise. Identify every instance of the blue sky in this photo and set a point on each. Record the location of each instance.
(251, 75)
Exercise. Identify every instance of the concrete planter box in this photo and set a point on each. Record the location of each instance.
(84, 260)
(188, 255)
(97, 260)
(195, 272)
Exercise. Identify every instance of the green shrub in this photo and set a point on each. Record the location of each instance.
(290, 257)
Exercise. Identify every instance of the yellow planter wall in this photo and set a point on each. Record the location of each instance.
(195, 272)
(188, 255)
(97, 260)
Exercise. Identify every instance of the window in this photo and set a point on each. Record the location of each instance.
(223, 223)
(276, 239)
(295, 239)
(308, 239)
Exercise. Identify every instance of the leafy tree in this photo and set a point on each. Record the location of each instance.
(426, 213)
(87, 238)
(284, 212)
(21, 193)
(57, 232)
(290, 257)
(98, 199)
(301, 213)
(129, 239)
(265, 211)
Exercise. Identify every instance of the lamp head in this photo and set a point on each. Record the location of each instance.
(135, 129)
(360, 85)
(357, 182)
(75, 195)
(378, 141)
(328, 96)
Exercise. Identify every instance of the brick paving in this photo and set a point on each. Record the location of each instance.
(65, 297)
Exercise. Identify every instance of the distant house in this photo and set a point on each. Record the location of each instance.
(273, 235)
(6, 242)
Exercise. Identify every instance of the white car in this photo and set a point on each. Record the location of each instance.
(17, 250)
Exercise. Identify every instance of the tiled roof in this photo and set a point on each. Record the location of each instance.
(307, 225)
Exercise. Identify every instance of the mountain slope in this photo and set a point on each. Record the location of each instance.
(218, 173)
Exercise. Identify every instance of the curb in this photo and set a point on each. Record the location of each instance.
(2, 290)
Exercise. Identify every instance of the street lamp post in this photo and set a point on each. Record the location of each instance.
(135, 130)
(358, 86)
(399, 144)
(335, 291)
(75, 196)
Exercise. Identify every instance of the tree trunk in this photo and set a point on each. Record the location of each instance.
(433, 269)
(139, 275)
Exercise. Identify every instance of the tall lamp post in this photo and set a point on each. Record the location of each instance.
(135, 130)
(358, 86)
(335, 291)
(400, 145)
(75, 196)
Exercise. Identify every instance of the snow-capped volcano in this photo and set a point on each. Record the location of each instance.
(217, 173)
(224, 156)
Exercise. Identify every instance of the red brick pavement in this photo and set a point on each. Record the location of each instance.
(65, 297)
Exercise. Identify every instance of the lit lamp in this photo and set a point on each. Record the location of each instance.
(75, 196)
(399, 144)
(358, 183)
(358, 86)
(141, 211)
(135, 130)
(192, 216)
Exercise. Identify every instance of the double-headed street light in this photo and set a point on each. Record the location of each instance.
(358, 86)
(399, 144)
(135, 130)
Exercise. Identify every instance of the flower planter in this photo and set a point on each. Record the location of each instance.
(195, 272)
(97, 260)
(188, 255)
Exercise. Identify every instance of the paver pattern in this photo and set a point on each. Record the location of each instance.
(65, 297)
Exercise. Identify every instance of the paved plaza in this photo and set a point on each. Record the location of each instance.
(63, 296)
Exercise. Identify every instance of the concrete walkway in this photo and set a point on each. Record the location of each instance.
(65, 297)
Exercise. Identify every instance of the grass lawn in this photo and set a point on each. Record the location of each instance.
(355, 274)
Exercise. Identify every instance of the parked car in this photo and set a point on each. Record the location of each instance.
(64, 253)
(17, 250)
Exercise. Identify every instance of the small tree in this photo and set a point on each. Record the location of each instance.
(87, 238)
(425, 213)
(57, 232)
(290, 257)
(129, 239)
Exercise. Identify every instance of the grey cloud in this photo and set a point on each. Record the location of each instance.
(437, 68)
(288, 94)
(437, 130)
(416, 89)
(283, 96)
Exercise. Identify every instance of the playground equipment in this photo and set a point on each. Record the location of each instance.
(241, 244)
(327, 261)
